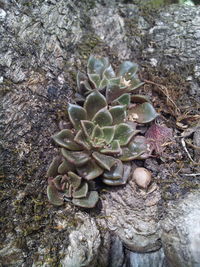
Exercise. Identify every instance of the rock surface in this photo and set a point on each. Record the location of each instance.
(43, 43)
(181, 232)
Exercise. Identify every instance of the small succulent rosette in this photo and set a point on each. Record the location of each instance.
(103, 138)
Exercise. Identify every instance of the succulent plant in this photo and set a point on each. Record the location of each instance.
(103, 138)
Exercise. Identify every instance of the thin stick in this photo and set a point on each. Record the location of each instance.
(191, 174)
(185, 148)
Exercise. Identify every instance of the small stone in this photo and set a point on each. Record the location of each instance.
(2, 14)
(142, 177)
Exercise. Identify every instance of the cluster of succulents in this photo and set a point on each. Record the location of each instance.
(103, 138)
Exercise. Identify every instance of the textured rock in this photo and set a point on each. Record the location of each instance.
(133, 216)
(84, 243)
(181, 232)
(155, 259)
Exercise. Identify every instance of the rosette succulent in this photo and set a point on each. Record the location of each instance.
(103, 138)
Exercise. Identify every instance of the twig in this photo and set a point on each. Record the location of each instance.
(191, 174)
(164, 91)
(185, 148)
(192, 145)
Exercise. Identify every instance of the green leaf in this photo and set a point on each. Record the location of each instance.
(115, 172)
(53, 168)
(128, 69)
(139, 99)
(81, 139)
(94, 102)
(103, 117)
(81, 192)
(124, 99)
(82, 83)
(54, 196)
(113, 92)
(113, 148)
(103, 161)
(97, 133)
(139, 144)
(108, 133)
(123, 133)
(65, 138)
(128, 155)
(57, 182)
(142, 113)
(74, 179)
(95, 79)
(77, 158)
(115, 81)
(118, 113)
(134, 84)
(89, 201)
(121, 181)
(103, 83)
(76, 114)
(87, 127)
(97, 65)
(65, 166)
(109, 73)
(90, 170)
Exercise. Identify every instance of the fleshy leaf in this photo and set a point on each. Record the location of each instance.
(82, 83)
(128, 155)
(65, 138)
(142, 113)
(104, 161)
(113, 148)
(134, 84)
(53, 168)
(103, 84)
(123, 133)
(128, 69)
(55, 197)
(109, 73)
(77, 158)
(113, 92)
(103, 117)
(90, 170)
(65, 166)
(139, 99)
(81, 139)
(87, 127)
(97, 133)
(108, 132)
(81, 192)
(115, 81)
(139, 144)
(74, 179)
(97, 65)
(95, 79)
(76, 114)
(124, 99)
(118, 113)
(123, 180)
(89, 201)
(94, 102)
(115, 172)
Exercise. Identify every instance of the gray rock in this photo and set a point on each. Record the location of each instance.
(181, 232)
(84, 243)
(133, 216)
(2, 14)
(155, 259)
